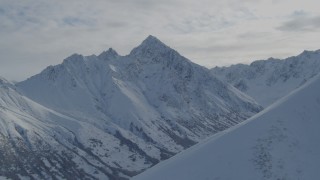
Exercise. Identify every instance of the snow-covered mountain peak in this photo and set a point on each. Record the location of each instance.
(272, 59)
(73, 58)
(152, 40)
(146, 106)
(308, 54)
(150, 48)
(109, 54)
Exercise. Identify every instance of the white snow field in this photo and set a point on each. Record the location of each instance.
(281, 142)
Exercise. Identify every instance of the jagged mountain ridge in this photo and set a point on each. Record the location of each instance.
(281, 142)
(123, 114)
(269, 80)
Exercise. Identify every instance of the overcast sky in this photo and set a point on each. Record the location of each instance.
(37, 33)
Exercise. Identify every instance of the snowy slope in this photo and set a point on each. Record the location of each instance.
(139, 109)
(269, 80)
(39, 143)
(281, 142)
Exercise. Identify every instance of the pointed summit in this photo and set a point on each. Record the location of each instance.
(74, 58)
(152, 40)
(109, 54)
(149, 47)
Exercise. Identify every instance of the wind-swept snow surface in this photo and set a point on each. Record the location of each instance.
(282, 142)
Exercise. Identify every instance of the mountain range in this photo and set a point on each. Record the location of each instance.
(111, 116)
(268, 80)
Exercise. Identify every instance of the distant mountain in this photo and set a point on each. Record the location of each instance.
(281, 142)
(112, 116)
(269, 80)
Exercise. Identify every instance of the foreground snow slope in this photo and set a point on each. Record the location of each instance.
(281, 142)
(130, 112)
(269, 80)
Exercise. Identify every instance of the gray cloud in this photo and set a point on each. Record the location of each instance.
(300, 23)
(299, 13)
(75, 21)
(253, 35)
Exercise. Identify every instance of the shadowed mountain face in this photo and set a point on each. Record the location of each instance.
(112, 116)
(269, 80)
